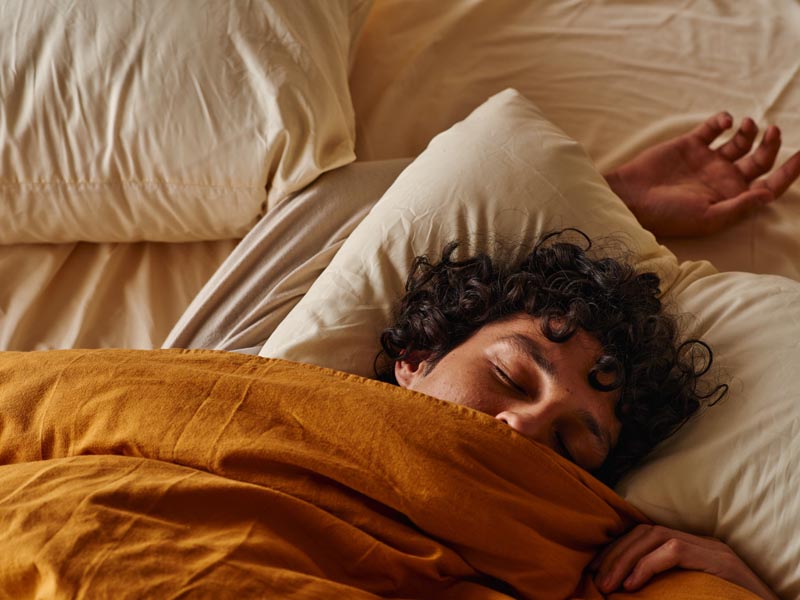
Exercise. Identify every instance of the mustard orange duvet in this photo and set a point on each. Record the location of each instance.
(208, 474)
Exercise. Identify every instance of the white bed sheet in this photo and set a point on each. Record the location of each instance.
(85, 295)
(280, 258)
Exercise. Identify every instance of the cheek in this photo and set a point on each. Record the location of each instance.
(463, 390)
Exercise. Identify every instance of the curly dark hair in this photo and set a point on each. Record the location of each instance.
(657, 374)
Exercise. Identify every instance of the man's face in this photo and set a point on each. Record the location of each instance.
(510, 370)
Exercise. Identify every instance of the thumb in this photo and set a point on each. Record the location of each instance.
(725, 213)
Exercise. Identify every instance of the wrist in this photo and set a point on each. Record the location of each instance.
(617, 185)
(629, 194)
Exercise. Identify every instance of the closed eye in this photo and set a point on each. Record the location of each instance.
(505, 378)
(561, 448)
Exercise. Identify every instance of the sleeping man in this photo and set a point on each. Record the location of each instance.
(576, 352)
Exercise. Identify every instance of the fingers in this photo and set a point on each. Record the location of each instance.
(737, 149)
(740, 144)
(670, 554)
(614, 549)
(680, 550)
(728, 212)
(761, 161)
(647, 550)
(784, 176)
(710, 130)
(618, 560)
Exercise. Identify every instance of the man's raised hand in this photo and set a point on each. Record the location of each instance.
(683, 187)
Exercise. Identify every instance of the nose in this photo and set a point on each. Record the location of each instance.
(533, 424)
(537, 419)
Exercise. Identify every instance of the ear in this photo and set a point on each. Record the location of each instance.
(409, 369)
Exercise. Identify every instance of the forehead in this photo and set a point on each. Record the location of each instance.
(518, 329)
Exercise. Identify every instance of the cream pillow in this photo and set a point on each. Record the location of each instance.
(733, 472)
(168, 121)
(505, 171)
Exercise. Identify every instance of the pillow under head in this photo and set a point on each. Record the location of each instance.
(733, 472)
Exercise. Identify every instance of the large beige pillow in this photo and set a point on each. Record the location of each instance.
(167, 120)
(733, 472)
(498, 179)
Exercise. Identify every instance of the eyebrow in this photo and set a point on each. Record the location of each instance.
(600, 435)
(533, 350)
